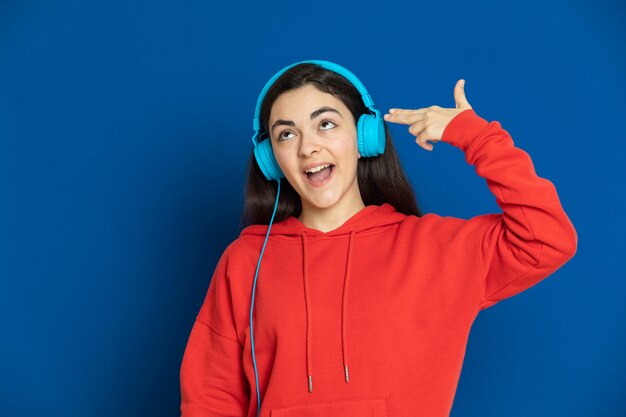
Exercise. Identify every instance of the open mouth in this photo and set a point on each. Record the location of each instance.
(320, 177)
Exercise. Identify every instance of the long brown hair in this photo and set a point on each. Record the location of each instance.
(381, 178)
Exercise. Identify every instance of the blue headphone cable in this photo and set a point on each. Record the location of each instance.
(256, 373)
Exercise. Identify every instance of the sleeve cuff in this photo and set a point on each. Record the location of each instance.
(463, 128)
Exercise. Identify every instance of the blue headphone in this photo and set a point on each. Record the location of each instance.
(370, 127)
(371, 142)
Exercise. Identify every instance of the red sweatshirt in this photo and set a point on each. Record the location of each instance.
(372, 318)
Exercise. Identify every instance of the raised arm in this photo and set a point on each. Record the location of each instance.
(533, 236)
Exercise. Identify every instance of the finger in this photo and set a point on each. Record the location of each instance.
(459, 95)
(400, 111)
(419, 131)
(405, 118)
(425, 135)
(417, 128)
(423, 144)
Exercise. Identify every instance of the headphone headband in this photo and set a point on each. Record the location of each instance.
(256, 123)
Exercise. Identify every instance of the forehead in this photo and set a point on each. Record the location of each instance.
(300, 102)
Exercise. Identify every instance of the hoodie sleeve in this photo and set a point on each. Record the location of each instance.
(212, 380)
(533, 236)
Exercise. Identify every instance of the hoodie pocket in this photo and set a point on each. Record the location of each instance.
(354, 408)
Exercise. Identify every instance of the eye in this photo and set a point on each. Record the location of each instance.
(328, 121)
(280, 137)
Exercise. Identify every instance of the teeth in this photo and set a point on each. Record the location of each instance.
(316, 169)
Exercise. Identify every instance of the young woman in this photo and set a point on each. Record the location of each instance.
(340, 298)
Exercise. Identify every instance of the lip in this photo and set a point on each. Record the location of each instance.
(316, 164)
(319, 184)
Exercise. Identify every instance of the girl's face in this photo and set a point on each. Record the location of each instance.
(310, 129)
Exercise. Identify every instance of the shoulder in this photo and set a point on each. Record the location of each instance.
(241, 248)
(437, 226)
(237, 261)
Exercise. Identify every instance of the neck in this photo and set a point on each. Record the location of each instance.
(327, 219)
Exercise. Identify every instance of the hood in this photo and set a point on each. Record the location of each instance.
(369, 217)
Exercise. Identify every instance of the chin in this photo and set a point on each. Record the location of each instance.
(323, 203)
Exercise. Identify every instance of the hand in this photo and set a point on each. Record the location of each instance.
(428, 124)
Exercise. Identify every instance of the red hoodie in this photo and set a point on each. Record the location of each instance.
(372, 318)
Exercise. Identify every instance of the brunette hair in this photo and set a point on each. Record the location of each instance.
(381, 178)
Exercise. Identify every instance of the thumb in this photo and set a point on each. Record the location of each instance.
(459, 95)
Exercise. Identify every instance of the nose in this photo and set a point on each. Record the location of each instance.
(309, 145)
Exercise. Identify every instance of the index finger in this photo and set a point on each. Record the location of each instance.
(400, 111)
(405, 116)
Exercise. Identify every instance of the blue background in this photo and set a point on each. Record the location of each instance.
(125, 130)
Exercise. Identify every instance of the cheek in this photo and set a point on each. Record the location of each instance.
(348, 148)
(286, 161)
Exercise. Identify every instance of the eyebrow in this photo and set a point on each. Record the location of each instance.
(312, 116)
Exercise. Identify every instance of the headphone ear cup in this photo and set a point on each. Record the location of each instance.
(267, 162)
(371, 135)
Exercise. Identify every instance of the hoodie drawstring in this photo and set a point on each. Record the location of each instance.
(344, 310)
(344, 313)
(308, 315)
